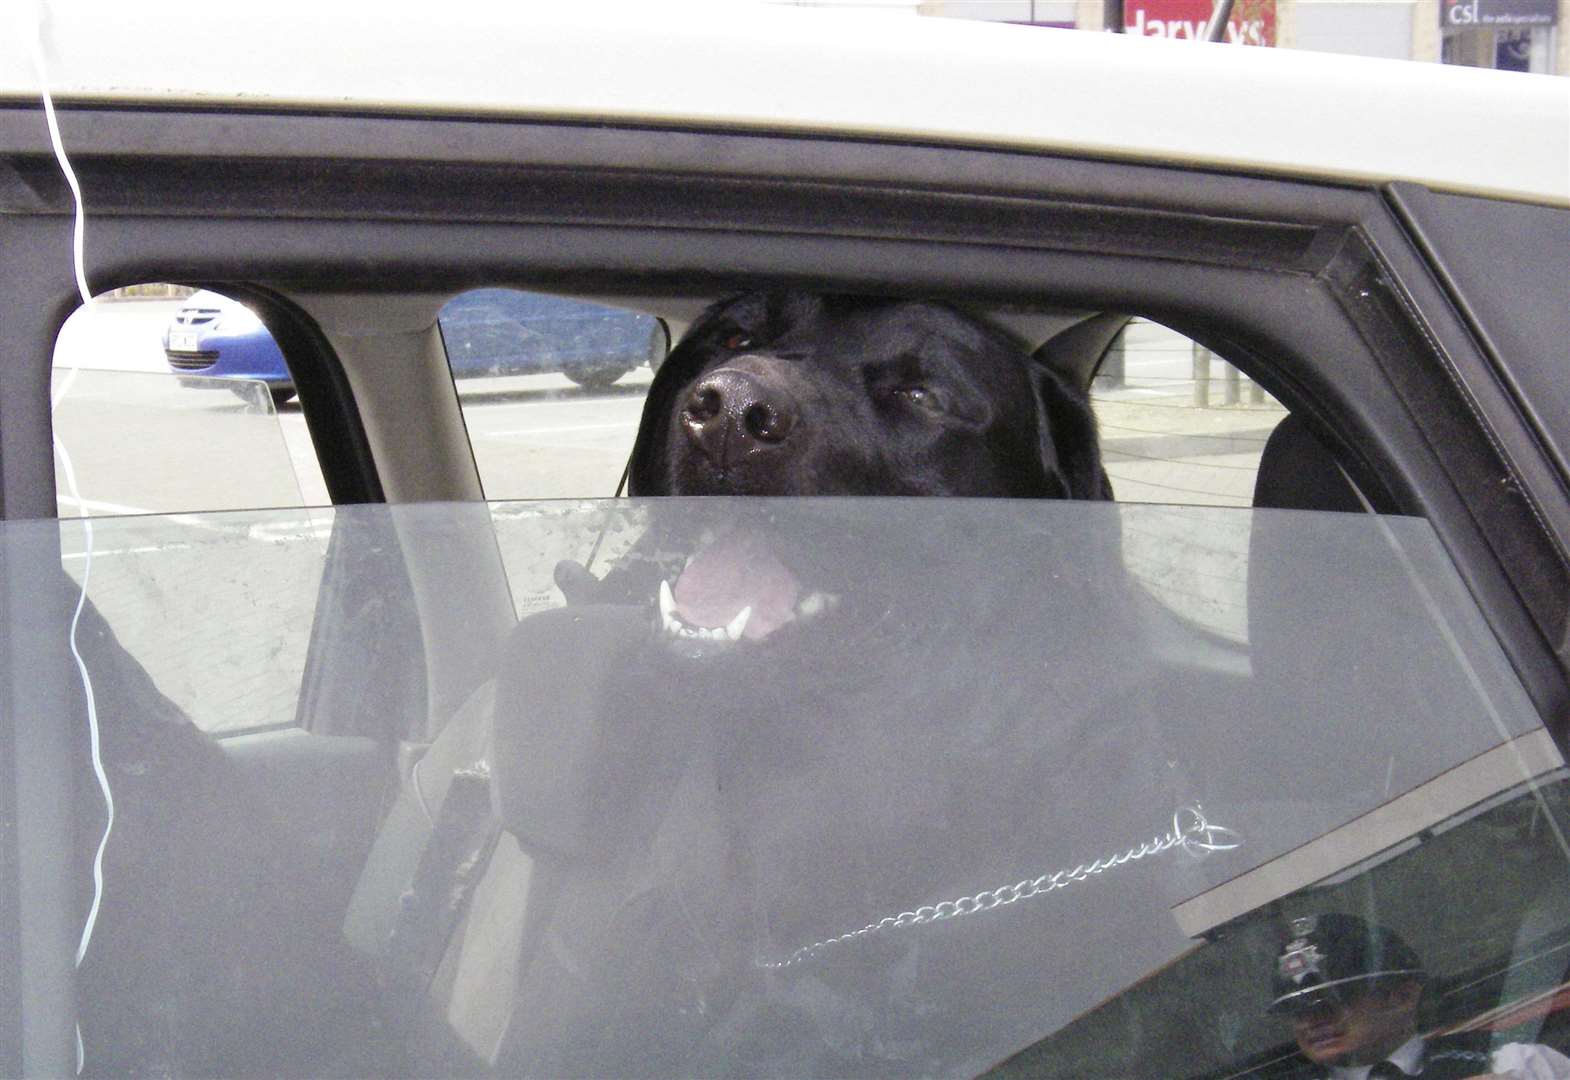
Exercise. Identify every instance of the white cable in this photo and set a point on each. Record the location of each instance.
(78, 232)
(79, 264)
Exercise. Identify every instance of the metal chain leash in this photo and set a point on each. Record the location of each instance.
(1190, 832)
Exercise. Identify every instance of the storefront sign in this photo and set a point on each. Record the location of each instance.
(1253, 22)
(1463, 13)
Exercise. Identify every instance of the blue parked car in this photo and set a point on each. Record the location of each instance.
(486, 331)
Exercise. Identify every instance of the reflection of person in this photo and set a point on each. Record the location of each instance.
(1351, 990)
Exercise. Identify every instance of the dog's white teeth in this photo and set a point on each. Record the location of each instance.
(675, 626)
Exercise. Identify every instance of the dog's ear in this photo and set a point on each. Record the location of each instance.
(1070, 444)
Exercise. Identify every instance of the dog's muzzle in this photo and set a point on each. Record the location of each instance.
(743, 417)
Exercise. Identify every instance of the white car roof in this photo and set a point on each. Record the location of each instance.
(891, 74)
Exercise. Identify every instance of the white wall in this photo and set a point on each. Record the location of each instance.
(1041, 11)
(1359, 27)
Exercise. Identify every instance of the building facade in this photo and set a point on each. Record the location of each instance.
(1515, 35)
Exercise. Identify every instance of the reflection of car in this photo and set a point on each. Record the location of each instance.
(214, 335)
(510, 332)
(1042, 817)
(487, 332)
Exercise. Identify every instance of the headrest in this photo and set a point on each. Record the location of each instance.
(1296, 472)
(557, 735)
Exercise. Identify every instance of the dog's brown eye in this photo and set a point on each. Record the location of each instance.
(739, 341)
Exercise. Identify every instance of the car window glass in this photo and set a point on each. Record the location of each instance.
(165, 402)
(1182, 428)
(168, 400)
(551, 388)
(956, 787)
(234, 662)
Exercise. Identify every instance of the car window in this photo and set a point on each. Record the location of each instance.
(227, 673)
(954, 796)
(167, 399)
(551, 387)
(1179, 424)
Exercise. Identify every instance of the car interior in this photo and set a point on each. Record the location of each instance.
(374, 987)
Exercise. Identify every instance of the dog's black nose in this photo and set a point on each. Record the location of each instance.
(731, 414)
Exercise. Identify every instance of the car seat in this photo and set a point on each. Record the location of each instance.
(1296, 472)
(494, 880)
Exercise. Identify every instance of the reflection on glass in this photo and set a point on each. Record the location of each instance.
(834, 787)
(157, 443)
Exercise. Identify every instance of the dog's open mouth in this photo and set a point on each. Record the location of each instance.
(735, 588)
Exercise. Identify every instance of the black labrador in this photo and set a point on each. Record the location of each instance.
(827, 692)
(803, 394)
(793, 393)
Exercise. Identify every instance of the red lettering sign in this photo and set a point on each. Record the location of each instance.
(1253, 22)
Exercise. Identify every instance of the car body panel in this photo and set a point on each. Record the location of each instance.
(1096, 95)
(510, 332)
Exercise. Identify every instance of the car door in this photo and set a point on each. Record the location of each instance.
(1321, 292)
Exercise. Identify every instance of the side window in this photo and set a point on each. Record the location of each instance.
(552, 388)
(170, 405)
(168, 400)
(1183, 428)
(1178, 423)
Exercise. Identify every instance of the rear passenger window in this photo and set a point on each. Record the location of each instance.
(178, 403)
(167, 399)
(551, 387)
(1178, 423)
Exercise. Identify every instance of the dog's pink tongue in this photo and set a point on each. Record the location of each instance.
(737, 571)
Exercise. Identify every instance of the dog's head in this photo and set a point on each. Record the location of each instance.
(785, 393)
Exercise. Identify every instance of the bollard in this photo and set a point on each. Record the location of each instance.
(1201, 376)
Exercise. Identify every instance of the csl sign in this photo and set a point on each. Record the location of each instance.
(1463, 13)
(1253, 22)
